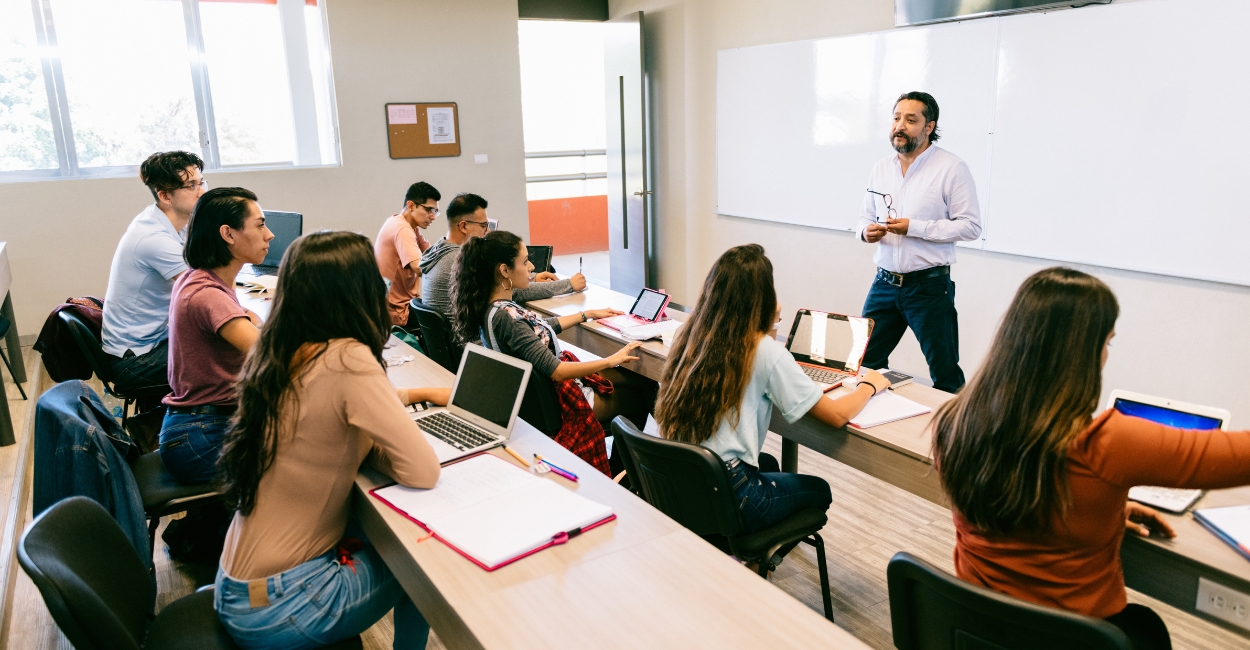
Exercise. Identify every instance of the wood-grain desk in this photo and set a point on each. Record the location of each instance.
(900, 453)
(640, 581)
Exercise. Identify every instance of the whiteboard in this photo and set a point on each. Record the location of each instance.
(1106, 135)
(800, 125)
(1117, 138)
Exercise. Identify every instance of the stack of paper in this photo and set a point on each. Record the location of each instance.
(1230, 523)
(258, 283)
(886, 407)
(493, 512)
(650, 330)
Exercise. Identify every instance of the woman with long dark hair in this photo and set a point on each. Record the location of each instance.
(209, 331)
(485, 274)
(314, 403)
(1039, 487)
(726, 372)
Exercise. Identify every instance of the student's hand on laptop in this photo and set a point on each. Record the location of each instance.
(578, 281)
(1142, 520)
(602, 313)
(546, 277)
(623, 355)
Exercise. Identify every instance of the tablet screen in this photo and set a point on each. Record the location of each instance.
(649, 304)
(1166, 416)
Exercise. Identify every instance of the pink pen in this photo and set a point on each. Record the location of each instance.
(558, 470)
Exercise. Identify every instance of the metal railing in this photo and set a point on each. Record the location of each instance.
(574, 153)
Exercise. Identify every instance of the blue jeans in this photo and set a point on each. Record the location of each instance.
(190, 445)
(320, 602)
(928, 308)
(144, 372)
(768, 497)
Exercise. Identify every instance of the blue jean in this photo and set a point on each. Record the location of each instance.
(145, 372)
(190, 444)
(928, 308)
(320, 602)
(768, 497)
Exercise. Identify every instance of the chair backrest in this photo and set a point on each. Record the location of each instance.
(89, 345)
(90, 576)
(439, 343)
(934, 610)
(687, 482)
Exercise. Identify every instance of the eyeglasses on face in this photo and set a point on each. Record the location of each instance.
(433, 211)
(193, 185)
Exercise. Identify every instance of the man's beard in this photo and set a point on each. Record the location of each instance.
(908, 146)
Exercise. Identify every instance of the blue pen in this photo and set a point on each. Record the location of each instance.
(557, 469)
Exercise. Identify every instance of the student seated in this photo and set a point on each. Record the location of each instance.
(209, 332)
(147, 261)
(314, 403)
(399, 246)
(486, 272)
(725, 373)
(1038, 485)
(466, 219)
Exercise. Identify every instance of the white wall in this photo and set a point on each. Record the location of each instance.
(62, 234)
(1180, 338)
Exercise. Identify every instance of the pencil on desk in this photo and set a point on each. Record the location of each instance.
(516, 455)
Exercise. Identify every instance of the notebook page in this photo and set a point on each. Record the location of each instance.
(1233, 521)
(460, 486)
(887, 407)
(513, 524)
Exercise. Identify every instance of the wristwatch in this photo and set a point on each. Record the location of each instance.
(584, 319)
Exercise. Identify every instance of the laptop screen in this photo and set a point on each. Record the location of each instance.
(1167, 416)
(488, 388)
(286, 228)
(841, 347)
(649, 304)
(540, 257)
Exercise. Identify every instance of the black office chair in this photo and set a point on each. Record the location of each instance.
(91, 349)
(690, 483)
(933, 610)
(4, 330)
(98, 592)
(163, 495)
(436, 336)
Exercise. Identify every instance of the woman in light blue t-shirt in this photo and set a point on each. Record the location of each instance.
(726, 372)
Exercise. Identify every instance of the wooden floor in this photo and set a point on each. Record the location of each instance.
(869, 522)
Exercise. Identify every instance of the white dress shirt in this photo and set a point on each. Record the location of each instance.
(938, 196)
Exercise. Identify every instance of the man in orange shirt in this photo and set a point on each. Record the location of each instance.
(399, 245)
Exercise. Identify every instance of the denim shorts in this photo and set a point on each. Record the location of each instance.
(190, 444)
(767, 498)
(319, 602)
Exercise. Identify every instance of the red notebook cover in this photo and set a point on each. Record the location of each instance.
(558, 539)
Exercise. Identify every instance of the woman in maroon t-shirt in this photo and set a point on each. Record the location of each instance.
(209, 332)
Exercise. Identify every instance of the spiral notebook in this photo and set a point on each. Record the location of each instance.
(495, 513)
(1229, 523)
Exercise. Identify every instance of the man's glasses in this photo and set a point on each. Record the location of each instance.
(194, 185)
(484, 224)
(890, 213)
(433, 211)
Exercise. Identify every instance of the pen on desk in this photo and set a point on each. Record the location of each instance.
(558, 470)
(579, 264)
(516, 455)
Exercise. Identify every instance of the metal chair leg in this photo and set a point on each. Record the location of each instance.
(10, 367)
(819, 543)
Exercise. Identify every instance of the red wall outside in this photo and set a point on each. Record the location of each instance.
(572, 225)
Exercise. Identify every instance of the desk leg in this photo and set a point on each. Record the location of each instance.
(789, 456)
(15, 346)
(6, 421)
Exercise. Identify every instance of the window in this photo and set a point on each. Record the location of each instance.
(93, 87)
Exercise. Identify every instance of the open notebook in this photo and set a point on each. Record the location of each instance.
(494, 512)
(1229, 523)
(886, 407)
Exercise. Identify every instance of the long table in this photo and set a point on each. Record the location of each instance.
(900, 453)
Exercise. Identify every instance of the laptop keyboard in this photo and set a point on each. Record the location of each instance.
(454, 431)
(822, 376)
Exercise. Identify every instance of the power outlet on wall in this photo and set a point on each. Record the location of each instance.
(1223, 603)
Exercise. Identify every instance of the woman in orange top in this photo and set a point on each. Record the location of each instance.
(1039, 487)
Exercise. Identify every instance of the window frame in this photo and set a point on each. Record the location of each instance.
(292, 18)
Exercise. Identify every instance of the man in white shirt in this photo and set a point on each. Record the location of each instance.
(920, 201)
(147, 261)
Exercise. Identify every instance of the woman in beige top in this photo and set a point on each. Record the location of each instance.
(314, 403)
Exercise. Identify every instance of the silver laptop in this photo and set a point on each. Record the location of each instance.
(829, 347)
(483, 407)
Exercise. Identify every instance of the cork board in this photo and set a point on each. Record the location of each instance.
(423, 130)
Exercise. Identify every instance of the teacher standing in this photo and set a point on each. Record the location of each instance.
(920, 201)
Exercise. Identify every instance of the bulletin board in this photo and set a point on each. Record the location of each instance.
(423, 130)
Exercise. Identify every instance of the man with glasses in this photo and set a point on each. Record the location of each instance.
(920, 201)
(399, 246)
(466, 219)
(147, 261)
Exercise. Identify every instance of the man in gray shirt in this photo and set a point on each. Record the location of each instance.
(466, 218)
